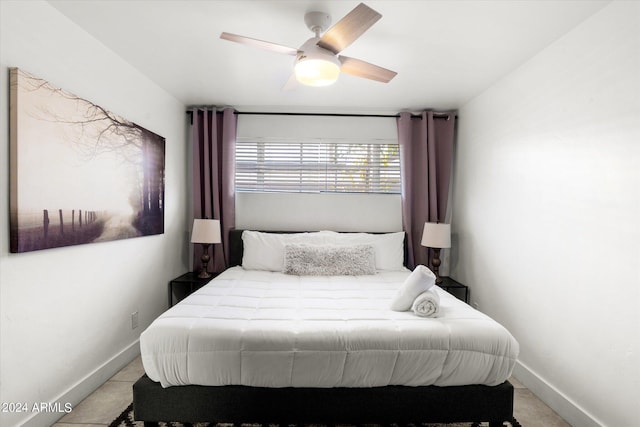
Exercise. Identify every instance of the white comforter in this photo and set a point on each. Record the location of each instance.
(267, 329)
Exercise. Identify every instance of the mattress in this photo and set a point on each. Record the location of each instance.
(269, 329)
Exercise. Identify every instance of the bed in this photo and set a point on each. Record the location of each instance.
(258, 345)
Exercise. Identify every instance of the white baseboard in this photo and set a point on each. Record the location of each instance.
(567, 409)
(83, 388)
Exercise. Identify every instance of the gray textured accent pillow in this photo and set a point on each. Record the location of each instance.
(329, 260)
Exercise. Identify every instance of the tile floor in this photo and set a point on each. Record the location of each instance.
(106, 403)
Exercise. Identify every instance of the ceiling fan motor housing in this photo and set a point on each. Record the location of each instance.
(317, 22)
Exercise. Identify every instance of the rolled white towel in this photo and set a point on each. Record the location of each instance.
(427, 304)
(420, 280)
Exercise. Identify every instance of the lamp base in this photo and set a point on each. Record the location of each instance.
(435, 263)
(204, 274)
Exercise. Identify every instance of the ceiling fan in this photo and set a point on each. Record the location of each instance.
(317, 61)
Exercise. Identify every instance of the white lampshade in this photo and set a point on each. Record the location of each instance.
(316, 66)
(205, 231)
(317, 72)
(436, 235)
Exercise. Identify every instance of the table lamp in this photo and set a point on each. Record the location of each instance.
(205, 232)
(436, 236)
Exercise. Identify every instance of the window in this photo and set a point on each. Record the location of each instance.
(316, 166)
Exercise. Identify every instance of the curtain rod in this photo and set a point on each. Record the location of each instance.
(445, 116)
(435, 115)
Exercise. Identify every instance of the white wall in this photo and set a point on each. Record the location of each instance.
(546, 216)
(312, 212)
(65, 313)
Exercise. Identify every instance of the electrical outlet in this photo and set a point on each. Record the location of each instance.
(134, 320)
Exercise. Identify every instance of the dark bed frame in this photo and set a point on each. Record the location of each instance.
(377, 405)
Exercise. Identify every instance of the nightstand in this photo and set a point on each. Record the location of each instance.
(456, 289)
(183, 286)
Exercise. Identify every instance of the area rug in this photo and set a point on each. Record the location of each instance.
(126, 419)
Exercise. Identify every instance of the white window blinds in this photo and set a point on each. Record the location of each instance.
(317, 154)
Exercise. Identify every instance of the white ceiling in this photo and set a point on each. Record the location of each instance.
(445, 52)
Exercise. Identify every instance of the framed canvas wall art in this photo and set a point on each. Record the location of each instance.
(78, 173)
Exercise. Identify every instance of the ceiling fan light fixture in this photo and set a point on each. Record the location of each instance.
(317, 61)
(317, 72)
(315, 66)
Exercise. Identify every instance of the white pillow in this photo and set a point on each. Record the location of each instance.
(420, 280)
(329, 260)
(265, 251)
(388, 247)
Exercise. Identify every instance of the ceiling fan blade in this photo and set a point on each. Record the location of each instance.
(273, 47)
(291, 84)
(349, 28)
(359, 68)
